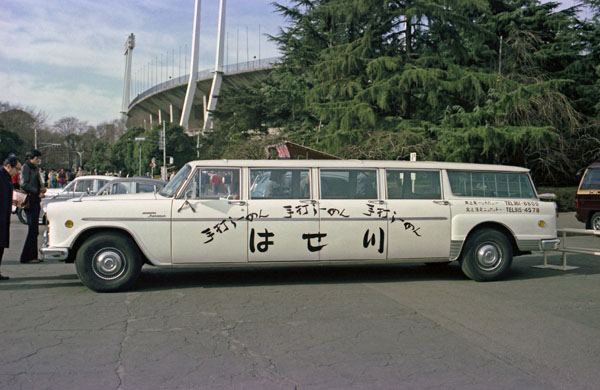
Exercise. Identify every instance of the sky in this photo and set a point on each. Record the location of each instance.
(66, 57)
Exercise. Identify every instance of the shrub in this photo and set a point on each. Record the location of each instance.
(565, 197)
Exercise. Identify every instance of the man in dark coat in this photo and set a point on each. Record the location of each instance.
(10, 168)
(32, 184)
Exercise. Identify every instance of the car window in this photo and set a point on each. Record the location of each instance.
(122, 188)
(413, 184)
(101, 183)
(84, 185)
(491, 184)
(591, 180)
(348, 183)
(214, 183)
(143, 187)
(279, 183)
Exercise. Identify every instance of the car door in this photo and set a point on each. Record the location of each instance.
(419, 218)
(282, 217)
(209, 222)
(353, 217)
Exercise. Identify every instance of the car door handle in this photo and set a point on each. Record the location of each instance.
(378, 201)
(308, 201)
(238, 202)
(442, 202)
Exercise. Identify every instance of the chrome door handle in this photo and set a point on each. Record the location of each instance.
(442, 202)
(308, 201)
(378, 201)
(237, 202)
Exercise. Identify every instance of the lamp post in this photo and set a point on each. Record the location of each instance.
(80, 157)
(140, 139)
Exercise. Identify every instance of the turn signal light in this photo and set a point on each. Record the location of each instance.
(541, 223)
(69, 223)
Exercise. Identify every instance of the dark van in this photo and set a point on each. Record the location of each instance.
(587, 201)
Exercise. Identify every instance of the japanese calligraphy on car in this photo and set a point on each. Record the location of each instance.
(270, 212)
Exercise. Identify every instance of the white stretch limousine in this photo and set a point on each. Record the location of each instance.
(306, 211)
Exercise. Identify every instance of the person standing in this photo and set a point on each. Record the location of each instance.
(62, 178)
(34, 188)
(11, 167)
(52, 178)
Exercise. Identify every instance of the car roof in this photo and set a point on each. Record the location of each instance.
(398, 164)
(139, 180)
(94, 177)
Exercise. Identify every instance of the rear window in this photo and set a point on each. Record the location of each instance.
(491, 184)
(591, 180)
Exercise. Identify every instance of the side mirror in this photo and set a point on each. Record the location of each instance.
(547, 196)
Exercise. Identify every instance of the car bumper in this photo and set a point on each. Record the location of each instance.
(550, 245)
(52, 253)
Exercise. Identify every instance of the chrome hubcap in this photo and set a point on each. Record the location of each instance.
(489, 256)
(109, 264)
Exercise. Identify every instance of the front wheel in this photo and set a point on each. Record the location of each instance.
(108, 262)
(487, 256)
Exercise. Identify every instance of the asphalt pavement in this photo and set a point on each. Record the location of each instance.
(380, 327)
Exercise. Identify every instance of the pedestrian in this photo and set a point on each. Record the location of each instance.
(52, 177)
(34, 188)
(11, 167)
(62, 178)
(80, 172)
(70, 176)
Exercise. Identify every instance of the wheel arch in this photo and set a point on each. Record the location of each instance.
(96, 230)
(495, 226)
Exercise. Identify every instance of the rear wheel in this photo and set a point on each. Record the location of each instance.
(487, 255)
(108, 262)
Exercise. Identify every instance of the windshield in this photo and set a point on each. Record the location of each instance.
(69, 187)
(171, 188)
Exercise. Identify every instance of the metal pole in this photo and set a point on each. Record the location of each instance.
(164, 170)
(140, 166)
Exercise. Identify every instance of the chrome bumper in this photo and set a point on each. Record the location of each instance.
(550, 245)
(49, 253)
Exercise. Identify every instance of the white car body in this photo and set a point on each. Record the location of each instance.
(212, 213)
(80, 186)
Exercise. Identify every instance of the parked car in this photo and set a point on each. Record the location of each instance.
(587, 200)
(81, 186)
(131, 185)
(221, 212)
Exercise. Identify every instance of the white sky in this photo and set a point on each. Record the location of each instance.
(65, 57)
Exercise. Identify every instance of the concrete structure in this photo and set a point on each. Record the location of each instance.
(190, 99)
(129, 46)
(193, 76)
(167, 99)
